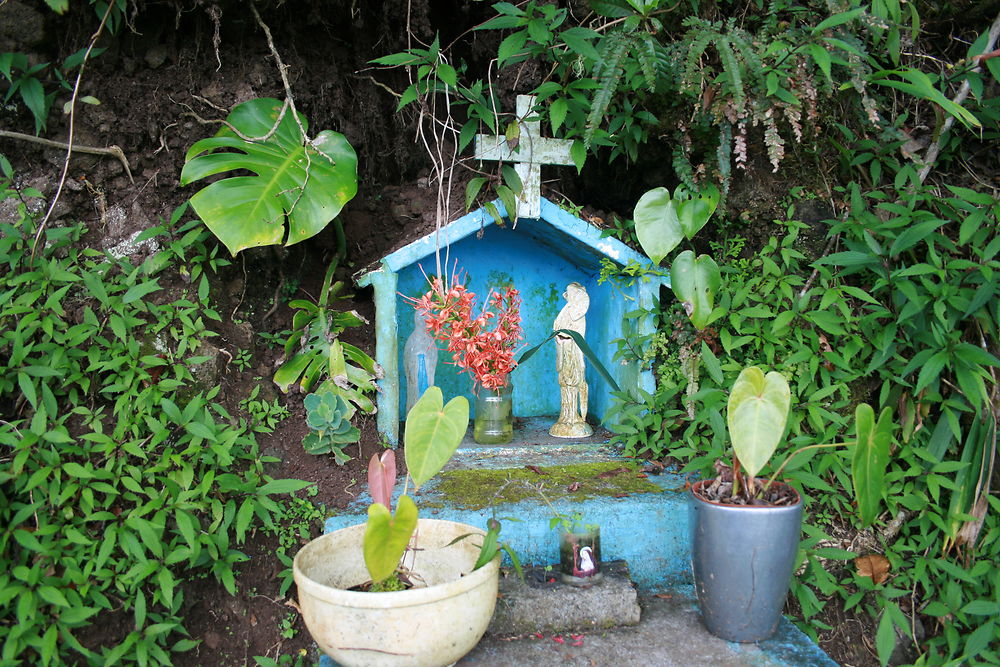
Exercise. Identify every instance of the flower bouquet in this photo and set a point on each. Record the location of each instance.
(482, 345)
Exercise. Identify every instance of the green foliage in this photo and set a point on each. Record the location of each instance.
(433, 432)
(329, 418)
(870, 459)
(661, 223)
(296, 522)
(285, 660)
(756, 413)
(29, 82)
(243, 360)
(299, 181)
(387, 535)
(121, 479)
(695, 282)
(264, 416)
(313, 351)
(903, 314)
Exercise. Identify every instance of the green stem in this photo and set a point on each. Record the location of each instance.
(799, 451)
(324, 294)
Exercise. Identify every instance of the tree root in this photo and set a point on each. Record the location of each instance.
(113, 151)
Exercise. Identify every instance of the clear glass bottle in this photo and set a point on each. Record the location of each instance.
(494, 410)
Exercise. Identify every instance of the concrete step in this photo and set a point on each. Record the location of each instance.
(539, 602)
(670, 634)
(644, 522)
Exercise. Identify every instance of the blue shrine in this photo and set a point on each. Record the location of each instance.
(540, 257)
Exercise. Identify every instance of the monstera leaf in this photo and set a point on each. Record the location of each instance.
(695, 282)
(386, 536)
(433, 433)
(662, 221)
(303, 186)
(757, 412)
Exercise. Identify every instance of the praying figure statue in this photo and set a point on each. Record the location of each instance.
(420, 357)
(570, 365)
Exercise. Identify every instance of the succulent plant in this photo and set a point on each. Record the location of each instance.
(329, 417)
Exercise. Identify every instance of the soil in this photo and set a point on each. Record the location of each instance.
(720, 491)
(172, 69)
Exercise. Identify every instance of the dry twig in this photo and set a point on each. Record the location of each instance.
(72, 128)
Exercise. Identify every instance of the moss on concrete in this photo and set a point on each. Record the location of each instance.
(475, 489)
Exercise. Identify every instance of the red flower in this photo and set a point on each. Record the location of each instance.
(488, 355)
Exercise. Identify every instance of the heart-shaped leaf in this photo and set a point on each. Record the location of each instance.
(758, 410)
(662, 221)
(870, 459)
(694, 211)
(656, 224)
(695, 282)
(386, 536)
(382, 477)
(433, 433)
(305, 186)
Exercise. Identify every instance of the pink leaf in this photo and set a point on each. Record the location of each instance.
(382, 477)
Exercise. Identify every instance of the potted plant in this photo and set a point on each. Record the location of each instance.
(431, 592)
(745, 530)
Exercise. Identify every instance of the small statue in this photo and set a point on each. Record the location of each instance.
(570, 365)
(420, 357)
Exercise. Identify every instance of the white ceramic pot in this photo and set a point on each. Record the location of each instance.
(435, 623)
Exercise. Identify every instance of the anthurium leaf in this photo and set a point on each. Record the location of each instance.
(870, 458)
(695, 282)
(694, 211)
(656, 224)
(758, 410)
(433, 433)
(386, 536)
(305, 187)
(382, 477)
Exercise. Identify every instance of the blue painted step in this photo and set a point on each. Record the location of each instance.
(648, 530)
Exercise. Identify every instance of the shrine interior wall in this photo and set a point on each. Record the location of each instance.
(494, 260)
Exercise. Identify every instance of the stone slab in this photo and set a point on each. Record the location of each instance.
(541, 603)
(532, 444)
(670, 635)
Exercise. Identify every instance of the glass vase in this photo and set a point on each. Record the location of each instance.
(494, 420)
(580, 554)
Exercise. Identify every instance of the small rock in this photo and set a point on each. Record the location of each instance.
(212, 640)
(156, 56)
(22, 26)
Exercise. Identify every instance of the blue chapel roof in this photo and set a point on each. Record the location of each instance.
(563, 233)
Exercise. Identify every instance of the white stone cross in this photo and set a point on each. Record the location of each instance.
(531, 152)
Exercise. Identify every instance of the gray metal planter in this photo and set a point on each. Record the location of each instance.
(742, 557)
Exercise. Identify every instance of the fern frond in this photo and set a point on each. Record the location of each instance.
(731, 70)
(645, 53)
(682, 167)
(608, 74)
(742, 43)
(702, 34)
(724, 155)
